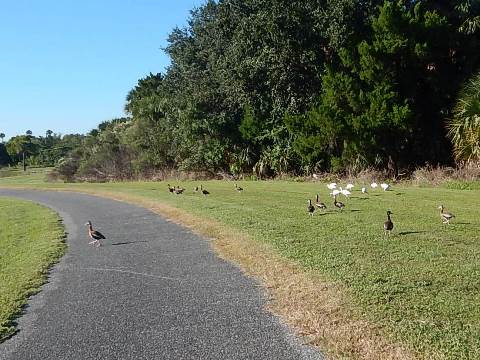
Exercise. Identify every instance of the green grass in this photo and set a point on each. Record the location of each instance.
(31, 239)
(421, 286)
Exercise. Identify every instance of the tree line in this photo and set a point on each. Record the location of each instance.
(300, 86)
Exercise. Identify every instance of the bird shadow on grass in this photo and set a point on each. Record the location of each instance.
(355, 210)
(128, 242)
(400, 193)
(411, 232)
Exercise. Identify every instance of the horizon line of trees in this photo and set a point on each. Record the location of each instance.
(276, 86)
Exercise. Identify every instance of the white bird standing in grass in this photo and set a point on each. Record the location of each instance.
(349, 186)
(345, 192)
(385, 186)
(335, 193)
(332, 186)
(374, 185)
(364, 190)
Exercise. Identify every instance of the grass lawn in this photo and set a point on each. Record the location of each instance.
(31, 239)
(420, 287)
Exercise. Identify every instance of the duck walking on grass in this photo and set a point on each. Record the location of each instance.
(388, 225)
(339, 205)
(310, 207)
(445, 216)
(203, 191)
(320, 205)
(95, 235)
(238, 188)
(178, 190)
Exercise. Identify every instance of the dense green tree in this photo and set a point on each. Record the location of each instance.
(4, 156)
(464, 127)
(389, 95)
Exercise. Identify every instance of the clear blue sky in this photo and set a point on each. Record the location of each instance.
(67, 65)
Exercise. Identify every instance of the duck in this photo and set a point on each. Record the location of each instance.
(203, 191)
(310, 207)
(238, 188)
(320, 205)
(385, 186)
(332, 186)
(178, 190)
(95, 235)
(339, 205)
(388, 225)
(445, 216)
(374, 185)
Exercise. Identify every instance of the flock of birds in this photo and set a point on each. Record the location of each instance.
(387, 225)
(445, 216)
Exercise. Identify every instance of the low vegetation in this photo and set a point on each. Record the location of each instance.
(31, 240)
(418, 287)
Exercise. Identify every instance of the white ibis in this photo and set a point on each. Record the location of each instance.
(332, 186)
(339, 205)
(388, 225)
(95, 235)
(310, 207)
(364, 190)
(385, 186)
(349, 186)
(445, 216)
(345, 192)
(374, 185)
(335, 192)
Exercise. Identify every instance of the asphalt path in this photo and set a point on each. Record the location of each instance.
(153, 290)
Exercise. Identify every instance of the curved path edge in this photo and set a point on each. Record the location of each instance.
(153, 290)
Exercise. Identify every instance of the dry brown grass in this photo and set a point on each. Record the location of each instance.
(315, 308)
(437, 175)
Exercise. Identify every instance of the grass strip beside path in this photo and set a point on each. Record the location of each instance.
(335, 277)
(31, 240)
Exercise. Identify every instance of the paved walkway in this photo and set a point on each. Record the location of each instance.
(154, 290)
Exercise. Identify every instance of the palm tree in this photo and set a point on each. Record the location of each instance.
(464, 127)
(2, 136)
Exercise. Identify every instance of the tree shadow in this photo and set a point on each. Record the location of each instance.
(128, 242)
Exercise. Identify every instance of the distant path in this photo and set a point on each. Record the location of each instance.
(154, 290)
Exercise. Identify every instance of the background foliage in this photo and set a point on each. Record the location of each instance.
(276, 86)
